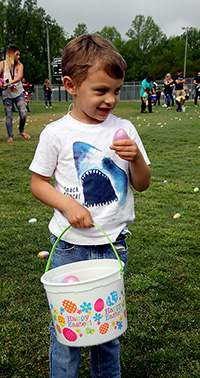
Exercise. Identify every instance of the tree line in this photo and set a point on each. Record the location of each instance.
(146, 48)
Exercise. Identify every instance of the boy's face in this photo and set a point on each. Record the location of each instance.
(96, 97)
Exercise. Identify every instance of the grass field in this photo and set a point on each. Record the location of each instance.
(162, 280)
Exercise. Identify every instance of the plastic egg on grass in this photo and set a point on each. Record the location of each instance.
(70, 279)
(120, 134)
(43, 254)
(176, 216)
(196, 189)
(32, 220)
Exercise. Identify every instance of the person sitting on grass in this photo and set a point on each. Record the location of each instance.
(93, 177)
(180, 101)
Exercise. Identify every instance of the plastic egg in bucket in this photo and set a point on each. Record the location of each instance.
(89, 311)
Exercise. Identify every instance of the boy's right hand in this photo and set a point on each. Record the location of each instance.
(77, 215)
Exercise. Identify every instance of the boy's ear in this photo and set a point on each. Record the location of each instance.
(69, 85)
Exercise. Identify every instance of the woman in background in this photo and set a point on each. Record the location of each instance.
(168, 83)
(12, 72)
(47, 93)
(147, 84)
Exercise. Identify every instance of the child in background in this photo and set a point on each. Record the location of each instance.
(146, 97)
(93, 178)
(158, 95)
(26, 95)
(180, 101)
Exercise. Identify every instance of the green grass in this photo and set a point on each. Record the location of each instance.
(162, 280)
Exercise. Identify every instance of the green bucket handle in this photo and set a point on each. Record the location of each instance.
(55, 244)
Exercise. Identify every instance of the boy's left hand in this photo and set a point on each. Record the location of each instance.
(126, 149)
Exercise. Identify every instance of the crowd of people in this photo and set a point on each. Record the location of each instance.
(16, 91)
(173, 89)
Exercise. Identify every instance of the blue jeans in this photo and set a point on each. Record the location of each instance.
(179, 107)
(168, 99)
(47, 98)
(8, 108)
(105, 358)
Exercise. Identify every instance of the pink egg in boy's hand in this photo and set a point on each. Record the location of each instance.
(70, 279)
(120, 134)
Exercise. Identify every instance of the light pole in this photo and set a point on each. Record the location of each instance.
(48, 50)
(186, 43)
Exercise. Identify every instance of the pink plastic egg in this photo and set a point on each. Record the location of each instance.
(120, 134)
(70, 279)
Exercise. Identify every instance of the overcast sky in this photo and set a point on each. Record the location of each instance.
(170, 15)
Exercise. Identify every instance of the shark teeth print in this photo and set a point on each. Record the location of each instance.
(97, 188)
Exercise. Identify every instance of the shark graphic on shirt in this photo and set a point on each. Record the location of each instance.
(103, 182)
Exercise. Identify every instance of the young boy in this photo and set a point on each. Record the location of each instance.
(158, 96)
(93, 178)
(180, 101)
(26, 95)
(146, 98)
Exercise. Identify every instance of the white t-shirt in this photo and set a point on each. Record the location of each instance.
(85, 168)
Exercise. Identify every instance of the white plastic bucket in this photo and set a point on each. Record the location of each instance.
(91, 311)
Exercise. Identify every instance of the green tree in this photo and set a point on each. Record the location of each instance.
(146, 37)
(2, 29)
(110, 33)
(79, 30)
(26, 28)
(193, 52)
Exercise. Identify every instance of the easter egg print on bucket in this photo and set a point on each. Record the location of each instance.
(104, 328)
(99, 305)
(69, 334)
(69, 306)
(85, 322)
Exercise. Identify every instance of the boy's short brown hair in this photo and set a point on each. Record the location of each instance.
(80, 54)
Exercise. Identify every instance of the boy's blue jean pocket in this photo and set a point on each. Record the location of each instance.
(66, 253)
